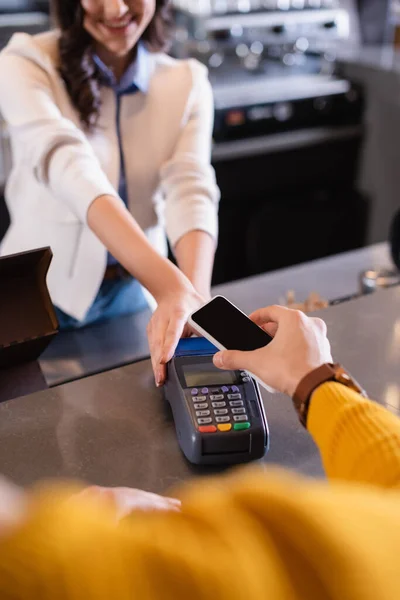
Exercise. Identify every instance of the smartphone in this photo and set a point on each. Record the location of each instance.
(228, 328)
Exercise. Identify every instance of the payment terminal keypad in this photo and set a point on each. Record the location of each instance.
(219, 416)
(220, 409)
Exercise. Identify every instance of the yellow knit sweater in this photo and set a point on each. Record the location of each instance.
(251, 535)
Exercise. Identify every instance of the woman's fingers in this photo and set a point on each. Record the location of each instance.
(167, 325)
(173, 334)
(164, 334)
(156, 334)
(151, 345)
(161, 374)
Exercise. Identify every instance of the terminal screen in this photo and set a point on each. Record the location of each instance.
(207, 375)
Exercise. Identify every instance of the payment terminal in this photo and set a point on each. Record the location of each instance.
(219, 415)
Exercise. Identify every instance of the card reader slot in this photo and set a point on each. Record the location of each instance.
(226, 444)
(233, 452)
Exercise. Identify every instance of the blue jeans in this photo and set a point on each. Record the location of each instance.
(114, 299)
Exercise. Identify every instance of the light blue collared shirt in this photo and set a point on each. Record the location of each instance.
(137, 75)
(135, 79)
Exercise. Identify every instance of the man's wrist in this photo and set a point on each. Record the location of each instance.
(314, 379)
(299, 376)
(307, 386)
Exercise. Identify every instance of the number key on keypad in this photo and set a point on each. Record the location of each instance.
(204, 421)
(236, 403)
(218, 404)
(234, 396)
(199, 398)
(238, 411)
(217, 397)
(221, 411)
(201, 405)
(240, 418)
(222, 419)
(202, 413)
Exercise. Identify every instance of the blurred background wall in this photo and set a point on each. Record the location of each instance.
(297, 126)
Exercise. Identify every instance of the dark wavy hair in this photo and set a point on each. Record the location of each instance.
(77, 67)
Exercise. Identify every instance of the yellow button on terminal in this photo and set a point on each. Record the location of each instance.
(227, 427)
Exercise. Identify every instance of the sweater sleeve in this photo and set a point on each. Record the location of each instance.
(58, 153)
(188, 179)
(359, 440)
(247, 536)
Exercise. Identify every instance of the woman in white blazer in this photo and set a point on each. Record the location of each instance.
(111, 144)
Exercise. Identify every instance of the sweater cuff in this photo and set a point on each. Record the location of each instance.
(326, 403)
(86, 194)
(85, 183)
(200, 215)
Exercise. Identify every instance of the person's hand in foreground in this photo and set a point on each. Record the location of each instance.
(300, 345)
(125, 501)
(14, 503)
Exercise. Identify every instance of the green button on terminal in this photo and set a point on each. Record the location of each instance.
(240, 426)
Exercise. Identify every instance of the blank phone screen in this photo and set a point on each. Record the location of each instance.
(229, 326)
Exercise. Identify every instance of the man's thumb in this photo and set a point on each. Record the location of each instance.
(231, 360)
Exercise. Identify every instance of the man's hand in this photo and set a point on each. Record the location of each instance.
(300, 345)
(126, 500)
(13, 505)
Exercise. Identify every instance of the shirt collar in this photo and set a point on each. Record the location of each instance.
(137, 74)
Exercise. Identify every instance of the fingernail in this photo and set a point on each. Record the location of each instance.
(218, 359)
(159, 377)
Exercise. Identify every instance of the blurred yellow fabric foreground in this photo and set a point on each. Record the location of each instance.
(251, 535)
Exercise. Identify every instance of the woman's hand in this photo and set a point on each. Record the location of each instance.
(168, 324)
(126, 500)
(300, 345)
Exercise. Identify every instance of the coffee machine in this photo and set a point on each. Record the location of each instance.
(288, 127)
(271, 62)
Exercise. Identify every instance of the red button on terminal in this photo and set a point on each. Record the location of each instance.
(207, 429)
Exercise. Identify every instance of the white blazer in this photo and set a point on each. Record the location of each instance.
(58, 170)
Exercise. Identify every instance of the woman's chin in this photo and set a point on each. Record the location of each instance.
(120, 41)
(121, 48)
